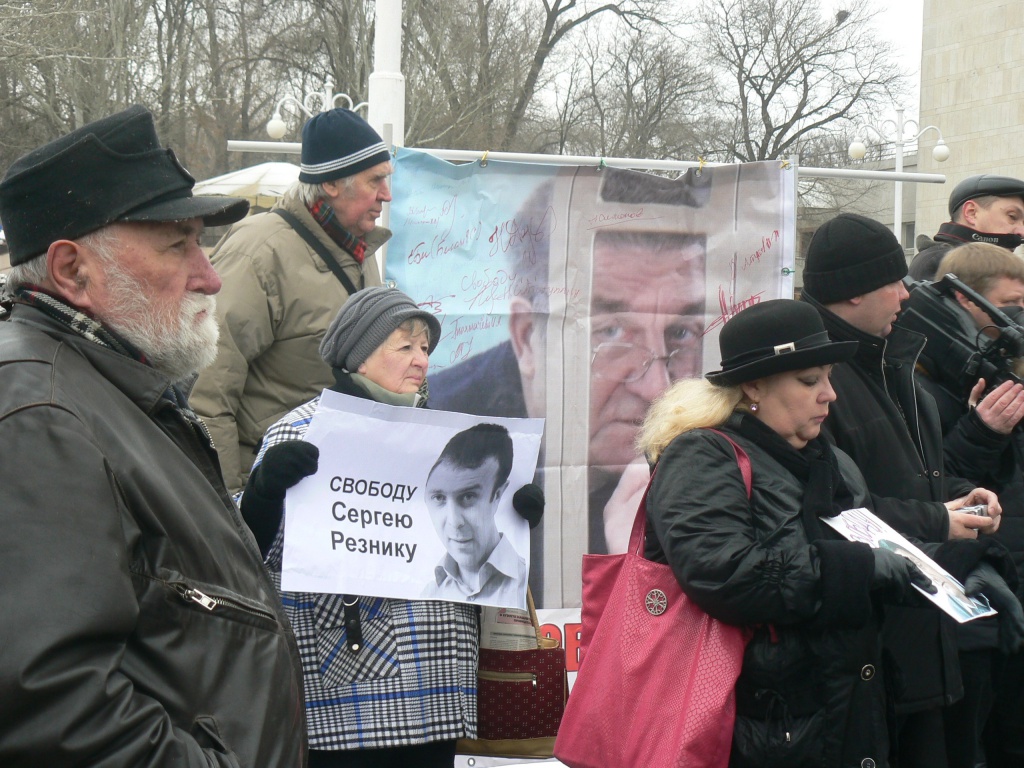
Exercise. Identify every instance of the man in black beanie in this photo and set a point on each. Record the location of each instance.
(139, 625)
(286, 273)
(890, 427)
(982, 209)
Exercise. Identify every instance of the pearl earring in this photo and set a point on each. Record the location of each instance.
(753, 407)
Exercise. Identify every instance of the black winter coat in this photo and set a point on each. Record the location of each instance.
(986, 458)
(930, 253)
(810, 692)
(991, 460)
(890, 426)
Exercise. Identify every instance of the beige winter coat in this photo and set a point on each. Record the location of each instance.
(277, 300)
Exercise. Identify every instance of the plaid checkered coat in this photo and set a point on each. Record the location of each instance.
(413, 682)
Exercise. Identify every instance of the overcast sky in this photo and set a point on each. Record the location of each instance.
(899, 22)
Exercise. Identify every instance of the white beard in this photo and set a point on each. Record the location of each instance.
(171, 338)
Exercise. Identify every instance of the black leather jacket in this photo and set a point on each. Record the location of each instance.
(930, 253)
(139, 627)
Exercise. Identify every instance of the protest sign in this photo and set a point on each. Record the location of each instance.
(861, 525)
(411, 503)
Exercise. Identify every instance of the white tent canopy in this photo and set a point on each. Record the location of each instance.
(260, 184)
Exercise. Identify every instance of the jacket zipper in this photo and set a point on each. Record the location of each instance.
(193, 595)
(915, 439)
(509, 677)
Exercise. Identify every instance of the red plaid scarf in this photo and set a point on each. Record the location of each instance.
(324, 216)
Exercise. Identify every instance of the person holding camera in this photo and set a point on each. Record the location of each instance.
(991, 420)
(889, 425)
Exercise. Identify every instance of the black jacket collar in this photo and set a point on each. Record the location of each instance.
(900, 347)
(143, 384)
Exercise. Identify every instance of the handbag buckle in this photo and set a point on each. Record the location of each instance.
(656, 602)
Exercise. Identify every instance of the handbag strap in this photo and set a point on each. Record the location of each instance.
(636, 536)
(741, 459)
(532, 608)
(303, 231)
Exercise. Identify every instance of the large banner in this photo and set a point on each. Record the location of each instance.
(579, 294)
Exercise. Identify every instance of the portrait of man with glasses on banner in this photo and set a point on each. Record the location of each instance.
(646, 329)
(646, 316)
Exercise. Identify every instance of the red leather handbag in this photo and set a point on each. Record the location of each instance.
(656, 683)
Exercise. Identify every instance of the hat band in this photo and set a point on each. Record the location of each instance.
(762, 353)
(344, 162)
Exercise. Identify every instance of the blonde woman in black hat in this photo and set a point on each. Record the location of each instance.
(811, 691)
(387, 682)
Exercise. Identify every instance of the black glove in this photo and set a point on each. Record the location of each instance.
(528, 501)
(262, 502)
(894, 575)
(283, 466)
(986, 579)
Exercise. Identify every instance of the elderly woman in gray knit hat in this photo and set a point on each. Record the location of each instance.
(387, 682)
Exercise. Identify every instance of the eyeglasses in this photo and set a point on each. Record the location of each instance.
(625, 363)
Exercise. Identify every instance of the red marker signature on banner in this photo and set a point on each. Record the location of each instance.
(767, 241)
(522, 234)
(618, 217)
(434, 304)
(730, 306)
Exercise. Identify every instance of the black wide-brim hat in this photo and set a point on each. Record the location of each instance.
(113, 169)
(774, 337)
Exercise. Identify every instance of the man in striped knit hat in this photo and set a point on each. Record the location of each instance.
(285, 273)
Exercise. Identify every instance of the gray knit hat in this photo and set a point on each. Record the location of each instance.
(365, 322)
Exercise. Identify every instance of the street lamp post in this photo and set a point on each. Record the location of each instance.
(940, 152)
(309, 105)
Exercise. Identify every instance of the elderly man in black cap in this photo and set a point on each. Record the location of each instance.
(286, 273)
(982, 209)
(139, 625)
(889, 425)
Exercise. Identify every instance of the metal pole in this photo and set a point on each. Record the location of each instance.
(458, 155)
(897, 209)
(387, 84)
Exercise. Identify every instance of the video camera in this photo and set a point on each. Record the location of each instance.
(959, 352)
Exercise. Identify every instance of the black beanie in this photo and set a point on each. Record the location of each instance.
(849, 256)
(337, 144)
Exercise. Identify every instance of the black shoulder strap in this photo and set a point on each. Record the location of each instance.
(303, 231)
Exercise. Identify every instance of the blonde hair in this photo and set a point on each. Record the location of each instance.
(979, 265)
(688, 404)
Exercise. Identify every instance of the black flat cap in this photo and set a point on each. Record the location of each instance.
(113, 169)
(982, 185)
